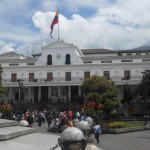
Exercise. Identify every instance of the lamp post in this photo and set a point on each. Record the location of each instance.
(20, 94)
(145, 81)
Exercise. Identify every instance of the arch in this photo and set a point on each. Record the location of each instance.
(49, 60)
(68, 59)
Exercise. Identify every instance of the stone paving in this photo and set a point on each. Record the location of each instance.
(43, 140)
(31, 141)
(127, 141)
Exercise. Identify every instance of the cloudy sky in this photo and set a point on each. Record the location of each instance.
(111, 24)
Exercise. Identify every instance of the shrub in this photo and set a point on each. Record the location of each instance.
(117, 125)
(93, 109)
(6, 110)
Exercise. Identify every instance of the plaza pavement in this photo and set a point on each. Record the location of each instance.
(139, 140)
(14, 137)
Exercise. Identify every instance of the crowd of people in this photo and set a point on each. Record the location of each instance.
(59, 117)
(57, 120)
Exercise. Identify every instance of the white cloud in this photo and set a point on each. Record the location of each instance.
(5, 47)
(42, 21)
(116, 24)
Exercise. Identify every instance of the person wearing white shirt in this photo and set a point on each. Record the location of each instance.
(97, 129)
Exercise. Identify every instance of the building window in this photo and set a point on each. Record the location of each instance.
(144, 60)
(49, 60)
(13, 77)
(148, 71)
(17, 96)
(119, 54)
(88, 62)
(138, 53)
(68, 59)
(49, 76)
(31, 77)
(86, 74)
(68, 76)
(129, 54)
(29, 64)
(126, 75)
(13, 64)
(106, 61)
(126, 60)
(106, 74)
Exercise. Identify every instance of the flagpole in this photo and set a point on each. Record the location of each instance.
(58, 24)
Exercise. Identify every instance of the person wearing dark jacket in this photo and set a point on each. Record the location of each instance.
(49, 119)
(30, 119)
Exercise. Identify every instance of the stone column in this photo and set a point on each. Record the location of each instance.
(59, 92)
(29, 94)
(79, 90)
(39, 94)
(10, 94)
(49, 92)
(69, 94)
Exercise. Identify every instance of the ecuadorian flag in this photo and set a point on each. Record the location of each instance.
(55, 21)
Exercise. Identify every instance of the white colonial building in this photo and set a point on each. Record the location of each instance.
(58, 72)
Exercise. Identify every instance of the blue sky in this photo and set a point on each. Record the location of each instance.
(112, 24)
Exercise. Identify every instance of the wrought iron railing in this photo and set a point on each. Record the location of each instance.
(72, 79)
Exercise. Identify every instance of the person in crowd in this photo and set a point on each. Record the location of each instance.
(49, 119)
(40, 119)
(22, 117)
(43, 117)
(18, 118)
(26, 115)
(63, 123)
(30, 119)
(35, 116)
(1, 114)
(14, 117)
(56, 125)
(54, 115)
(76, 120)
(83, 117)
(97, 129)
(70, 119)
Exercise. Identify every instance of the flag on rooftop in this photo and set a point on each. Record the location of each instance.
(55, 21)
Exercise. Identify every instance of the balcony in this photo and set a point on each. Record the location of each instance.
(43, 81)
(55, 81)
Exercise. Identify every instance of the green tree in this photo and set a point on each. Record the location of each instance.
(141, 88)
(2, 88)
(128, 93)
(101, 91)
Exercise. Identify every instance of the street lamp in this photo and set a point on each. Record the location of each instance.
(20, 81)
(145, 79)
